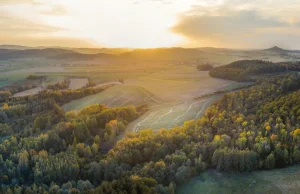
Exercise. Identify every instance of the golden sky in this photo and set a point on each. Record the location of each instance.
(150, 23)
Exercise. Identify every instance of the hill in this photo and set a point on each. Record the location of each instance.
(243, 70)
(54, 53)
(164, 54)
(276, 49)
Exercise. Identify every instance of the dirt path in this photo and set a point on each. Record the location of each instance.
(139, 123)
(151, 97)
(177, 118)
(203, 108)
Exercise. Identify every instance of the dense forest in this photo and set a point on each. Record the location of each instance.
(292, 66)
(57, 152)
(244, 70)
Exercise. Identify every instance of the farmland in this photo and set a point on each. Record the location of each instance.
(170, 114)
(28, 92)
(169, 94)
(120, 95)
(180, 83)
(77, 83)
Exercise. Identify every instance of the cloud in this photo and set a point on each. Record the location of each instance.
(230, 23)
(235, 24)
(12, 2)
(13, 25)
(29, 40)
(55, 10)
(158, 1)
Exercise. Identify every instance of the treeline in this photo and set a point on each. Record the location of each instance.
(34, 77)
(60, 96)
(246, 130)
(223, 91)
(292, 66)
(60, 85)
(243, 70)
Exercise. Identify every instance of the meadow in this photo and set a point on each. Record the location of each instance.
(170, 114)
(119, 95)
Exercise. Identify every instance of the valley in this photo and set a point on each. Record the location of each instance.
(162, 124)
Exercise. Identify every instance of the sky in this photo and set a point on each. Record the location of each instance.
(151, 23)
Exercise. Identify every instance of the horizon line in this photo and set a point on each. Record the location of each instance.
(141, 48)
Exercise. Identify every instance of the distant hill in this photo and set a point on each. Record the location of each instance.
(277, 49)
(79, 50)
(114, 51)
(14, 47)
(6, 54)
(81, 56)
(164, 54)
(53, 53)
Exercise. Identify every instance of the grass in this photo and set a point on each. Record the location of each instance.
(28, 92)
(77, 83)
(119, 95)
(180, 83)
(276, 181)
(168, 115)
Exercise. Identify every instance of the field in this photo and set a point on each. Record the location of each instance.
(169, 93)
(180, 83)
(119, 95)
(170, 114)
(77, 83)
(28, 92)
(276, 181)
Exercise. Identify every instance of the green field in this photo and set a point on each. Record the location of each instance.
(120, 95)
(170, 114)
(276, 181)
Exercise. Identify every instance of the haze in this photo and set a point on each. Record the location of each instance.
(150, 23)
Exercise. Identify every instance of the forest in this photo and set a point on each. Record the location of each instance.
(46, 150)
(244, 70)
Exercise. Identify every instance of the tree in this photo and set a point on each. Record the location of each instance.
(270, 161)
(88, 152)
(94, 149)
(171, 188)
